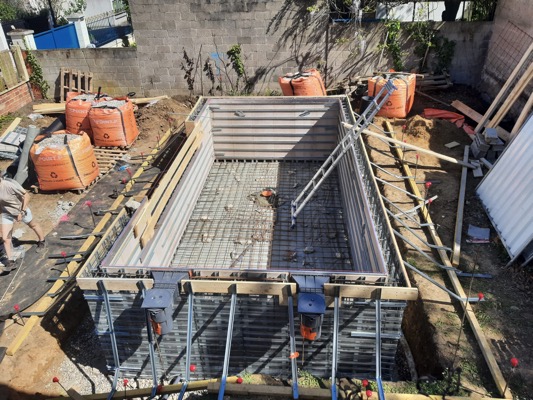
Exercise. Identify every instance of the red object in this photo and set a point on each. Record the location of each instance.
(55, 379)
(480, 296)
(16, 307)
(64, 218)
(457, 119)
(369, 393)
(126, 382)
(128, 170)
(192, 368)
(417, 156)
(404, 128)
(239, 380)
(294, 355)
(514, 362)
(124, 181)
(63, 254)
(88, 203)
(427, 185)
(365, 382)
(159, 388)
(430, 201)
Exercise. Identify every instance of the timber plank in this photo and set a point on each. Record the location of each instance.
(460, 208)
(483, 121)
(475, 116)
(251, 391)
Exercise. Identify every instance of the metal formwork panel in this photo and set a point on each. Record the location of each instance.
(260, 337)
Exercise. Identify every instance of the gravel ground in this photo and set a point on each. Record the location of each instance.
(84, 366)
(62, 208)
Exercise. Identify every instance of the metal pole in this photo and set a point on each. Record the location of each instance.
(149, 331)
(189, 344)
(461, 299)
(114, 347)
(381, 392)
(294, 367)
(228, 342)
(335, 345)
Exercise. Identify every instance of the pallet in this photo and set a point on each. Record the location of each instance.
(107, 158)
(72, 80)
(431, 82)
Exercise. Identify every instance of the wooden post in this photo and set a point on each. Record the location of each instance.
(460, 208)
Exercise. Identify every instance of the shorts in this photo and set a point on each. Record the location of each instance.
(8, 219)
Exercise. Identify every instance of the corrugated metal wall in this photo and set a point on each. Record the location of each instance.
(507, 192)
(260, 339)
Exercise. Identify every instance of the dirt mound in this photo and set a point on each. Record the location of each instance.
(161, 116)
(418, 126)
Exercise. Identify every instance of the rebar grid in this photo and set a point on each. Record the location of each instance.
(507, 49)
(234, 227)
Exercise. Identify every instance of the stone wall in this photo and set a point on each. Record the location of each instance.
(512, 34)
(116, 70)
(14, 99)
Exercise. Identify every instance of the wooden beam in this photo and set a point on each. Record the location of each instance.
(475, 116)
(52, 108)
(513, 96)
(168, 188)
(114, 284)
(157, 202)
(413, 147)
(243, 287)
(146, 392)
(483, 343)
(372, 292)
(19, 62)
(456, 255)
(482, 122)
(522, 117)
(12, 126)
(253, 391)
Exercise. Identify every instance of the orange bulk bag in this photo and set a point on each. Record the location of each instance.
(64, 161)
(77, 112)
(113, 122)
(400, 102)
(307, 83)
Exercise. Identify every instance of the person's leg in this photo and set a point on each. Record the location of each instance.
(7, 229)
(37, 229)
(28, 220)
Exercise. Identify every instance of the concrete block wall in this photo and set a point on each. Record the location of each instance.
(276, 37)
(14, 99)
(116, 70)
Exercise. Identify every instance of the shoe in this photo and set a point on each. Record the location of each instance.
(40, 246)
(9, 265)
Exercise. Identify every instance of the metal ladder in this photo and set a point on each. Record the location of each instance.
(344, 145)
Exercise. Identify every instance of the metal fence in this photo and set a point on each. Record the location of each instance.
(106, 27)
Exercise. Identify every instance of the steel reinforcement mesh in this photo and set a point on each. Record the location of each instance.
(260, 337)
(234, 226)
